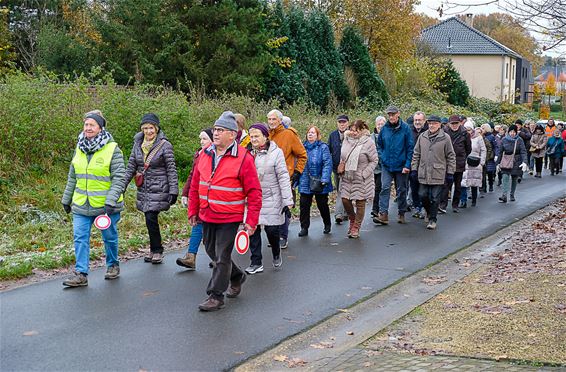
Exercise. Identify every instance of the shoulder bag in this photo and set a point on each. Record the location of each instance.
(508, 160)
(342, 165)
(138, 178)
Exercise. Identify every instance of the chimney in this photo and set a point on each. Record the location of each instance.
(469, 19)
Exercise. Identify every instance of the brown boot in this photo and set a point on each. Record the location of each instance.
(211, 304)
(355, 233)
(189, 261)
(352, 220)
(235, 288)
(148, 257)
(401, 218)
(381, 219)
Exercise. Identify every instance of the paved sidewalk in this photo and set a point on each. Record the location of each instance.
(360, 359)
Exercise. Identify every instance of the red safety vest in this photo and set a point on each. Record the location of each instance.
(221, 190)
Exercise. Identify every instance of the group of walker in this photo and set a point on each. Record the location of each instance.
(242, 179)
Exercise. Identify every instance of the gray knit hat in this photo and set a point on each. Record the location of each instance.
(228, 121)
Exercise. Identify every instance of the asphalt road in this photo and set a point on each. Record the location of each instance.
(148, 318)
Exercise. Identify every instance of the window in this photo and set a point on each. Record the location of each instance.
(507, 71)
(513, 74)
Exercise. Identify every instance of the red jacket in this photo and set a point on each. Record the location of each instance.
(215, 195)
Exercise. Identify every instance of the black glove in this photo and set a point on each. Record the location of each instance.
(286, 211)
(295, 177)
(172, 199)
(449, 178)
(67, 208)
(110, 210)
(414, 175)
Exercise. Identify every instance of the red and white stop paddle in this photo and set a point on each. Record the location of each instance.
(102, 222)
(242, 242)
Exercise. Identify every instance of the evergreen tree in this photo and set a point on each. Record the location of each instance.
(449, 82)
(370, 86)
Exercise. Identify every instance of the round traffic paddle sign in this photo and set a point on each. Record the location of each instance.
(102, 222)
(242, 242)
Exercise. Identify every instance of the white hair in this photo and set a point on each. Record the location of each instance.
(96, 112)
(471, 121)
(286, 121)
(380, 118)
(278, 113)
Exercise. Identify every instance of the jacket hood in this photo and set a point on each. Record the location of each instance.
(311, 146)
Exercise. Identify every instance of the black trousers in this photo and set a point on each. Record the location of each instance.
(152, 223)
(415, 186)
(272, 233)
(455, 195)
(554, 164)
(219, 242)
(430, 196)
(538, 164)
(377, 181)
(305, 206)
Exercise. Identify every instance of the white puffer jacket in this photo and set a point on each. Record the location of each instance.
(275, 185)
(472, 176)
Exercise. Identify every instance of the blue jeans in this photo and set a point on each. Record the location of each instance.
(196, 238)
(400, 183)
(81, 236)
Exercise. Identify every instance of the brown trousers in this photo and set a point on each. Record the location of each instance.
(360, 211)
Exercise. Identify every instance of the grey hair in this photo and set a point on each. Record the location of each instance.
(276, 112)
(286, 121)
(420, 113)
(96, 112)
(380, 118)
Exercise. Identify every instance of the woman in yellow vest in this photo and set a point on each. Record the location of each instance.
(94, 186)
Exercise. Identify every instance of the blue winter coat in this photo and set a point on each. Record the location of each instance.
(557, 144)
(335, 146)
(319, 164)
(395, 147)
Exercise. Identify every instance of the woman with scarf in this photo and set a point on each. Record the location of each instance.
(358, 159)
(315, 181)
(153, 164)
(554, 150)
(190, 259)
(475, 161)
(538, 149)
(276, 195)
(94, 187)
(512, 162)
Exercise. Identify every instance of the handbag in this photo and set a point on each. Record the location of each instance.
(139, 177)
(315, 184)
(473, 161)
(508, 160)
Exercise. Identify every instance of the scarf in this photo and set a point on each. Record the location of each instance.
(352, 163)
(146, 147)
(93, 145)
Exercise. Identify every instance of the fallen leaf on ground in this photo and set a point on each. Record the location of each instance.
(30, 333)
(280, 358)
(150, 293)
(323, 345)
(296, 362)
(239, 352)
(344, 310)
(350, 333)
(434, 280)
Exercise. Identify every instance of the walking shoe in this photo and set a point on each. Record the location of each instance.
(474, 203)
(76, 280)
(503, 199)
(189, 261)
(463, 205)
(339, 220)
(512, 197)
(148, 257)
(211, 265)
(491, 188)
(327, 229)
(283, 244)
(455, 210)
(355, 231)
(431, 225)
(112, 272)
(381, 219)
(211, 304)
(417, 213)
(277, 261)
(254, 269)
(352, 221)
(426, 219)
(441, 210)
(235, 287)
(538, 175)
(157, 258)
(401, 218)
(519, 179)
(374, 213)
(303, 232)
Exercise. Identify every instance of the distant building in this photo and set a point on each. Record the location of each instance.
(490, 69)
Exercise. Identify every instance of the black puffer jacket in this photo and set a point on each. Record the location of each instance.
(160, 179)
(462, 144)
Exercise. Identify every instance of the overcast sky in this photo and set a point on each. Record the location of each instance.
(429, 7)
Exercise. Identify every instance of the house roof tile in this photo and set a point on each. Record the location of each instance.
(454, 36)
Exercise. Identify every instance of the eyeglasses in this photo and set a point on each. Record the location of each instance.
(219, 130)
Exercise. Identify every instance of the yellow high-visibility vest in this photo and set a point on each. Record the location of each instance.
(93, 178)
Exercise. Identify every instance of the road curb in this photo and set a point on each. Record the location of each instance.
(332, 338)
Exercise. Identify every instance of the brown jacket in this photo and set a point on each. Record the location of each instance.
(293, 150)
(434, 158)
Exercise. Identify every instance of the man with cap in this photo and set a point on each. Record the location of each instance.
(462, 144)
(419, 126)
(395, 147)
(224, 182)
(335, 140)
(433, 159)
(295, 157)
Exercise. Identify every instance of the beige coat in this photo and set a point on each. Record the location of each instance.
(538, 143)
(433, 159)
(359, 185)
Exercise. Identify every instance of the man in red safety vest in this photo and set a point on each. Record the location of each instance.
(224, 182)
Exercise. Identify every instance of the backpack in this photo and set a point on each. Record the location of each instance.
(489, 147)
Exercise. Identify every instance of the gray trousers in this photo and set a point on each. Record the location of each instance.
(339, 207)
